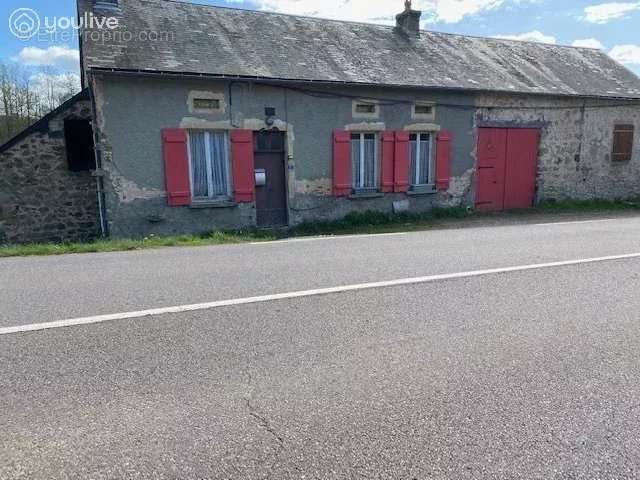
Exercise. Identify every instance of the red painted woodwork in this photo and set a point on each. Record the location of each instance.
(388, 155)
(243, 165)
(521, 171)
(341, 163)
(176, 166)
(402, 162)
(507, 162)
(443, 161)
(492, 151)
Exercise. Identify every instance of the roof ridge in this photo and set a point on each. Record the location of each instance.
(198, 3)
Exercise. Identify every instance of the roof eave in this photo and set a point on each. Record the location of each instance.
(276, 80)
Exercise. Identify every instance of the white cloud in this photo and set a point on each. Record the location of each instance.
(64, 57)
(452, 11)
(534, 36)
(588, 43)
(605, 12)
(55, 88)
(383, 11)
(626, 54)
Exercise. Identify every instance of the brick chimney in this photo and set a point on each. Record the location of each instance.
(408, 22)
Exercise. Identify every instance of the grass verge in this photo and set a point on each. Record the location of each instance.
(152, 241)
(354, 223)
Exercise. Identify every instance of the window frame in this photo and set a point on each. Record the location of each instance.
(206, 95)
(370, 103)
(362, 163)
(431, 180)
(423, 116)
(196, 107)
(211, 196)
(619, 128)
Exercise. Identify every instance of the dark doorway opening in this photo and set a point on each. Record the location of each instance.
(271, 193)
(78, 136)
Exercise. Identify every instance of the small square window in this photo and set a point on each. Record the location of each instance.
(425, 111)
(206, 103)
(366, 109)
(622, 143)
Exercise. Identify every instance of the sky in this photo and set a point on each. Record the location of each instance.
(610, 26)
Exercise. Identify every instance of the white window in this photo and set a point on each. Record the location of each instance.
(364, 162)
(209, 165)
(422, 168)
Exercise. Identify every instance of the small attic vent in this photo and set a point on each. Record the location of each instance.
(424, 109)
(365, 108)
(206, 104)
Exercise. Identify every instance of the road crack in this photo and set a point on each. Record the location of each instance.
(266, 425)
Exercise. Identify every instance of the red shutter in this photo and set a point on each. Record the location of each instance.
(402, 161)
(243, 166)
(176, 166)
(443, 160)
(388, 154)
(341, 163)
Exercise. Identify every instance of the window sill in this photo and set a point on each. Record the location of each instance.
(417, 190)
(365, 195)
(213, 204)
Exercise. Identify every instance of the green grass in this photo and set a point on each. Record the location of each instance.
(589, 206)
(378, 222)
(366, 222)
(152, 241)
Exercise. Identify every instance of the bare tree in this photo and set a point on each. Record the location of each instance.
(25, 97)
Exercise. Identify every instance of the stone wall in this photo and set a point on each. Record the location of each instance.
(40, 198)
(575, 145)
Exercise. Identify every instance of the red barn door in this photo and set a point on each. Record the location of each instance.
(507, 163)
(492, 151)
(521, 171)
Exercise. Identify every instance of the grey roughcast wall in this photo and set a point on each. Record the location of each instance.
(574, 153)
(132, 111)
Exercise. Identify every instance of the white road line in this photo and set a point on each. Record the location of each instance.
(329, 237)
(576, 222)
(303, 293)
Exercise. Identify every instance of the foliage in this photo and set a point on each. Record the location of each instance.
(25, 97)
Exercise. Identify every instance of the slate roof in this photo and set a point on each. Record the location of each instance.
(224, 41)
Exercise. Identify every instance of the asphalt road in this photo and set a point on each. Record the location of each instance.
(516, 375)
(54, 288)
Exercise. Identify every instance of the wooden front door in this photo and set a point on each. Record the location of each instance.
(507, 164)
(271, 198)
